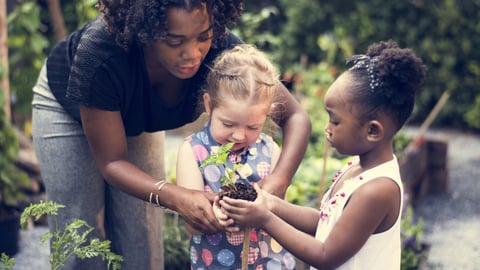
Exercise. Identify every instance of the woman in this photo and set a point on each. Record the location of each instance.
(101, 103)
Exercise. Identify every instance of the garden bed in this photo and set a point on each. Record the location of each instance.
(424, 169)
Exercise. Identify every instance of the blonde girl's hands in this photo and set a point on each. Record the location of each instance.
(223, 219)
(247, 213)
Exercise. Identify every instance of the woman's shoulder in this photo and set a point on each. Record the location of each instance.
(89, 46)
(95, 43)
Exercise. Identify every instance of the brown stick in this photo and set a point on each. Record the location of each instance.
(428, 121)
(4, 82)
(57, 18)
(245, 248)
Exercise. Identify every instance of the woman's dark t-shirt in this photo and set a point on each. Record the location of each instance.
(89, 68)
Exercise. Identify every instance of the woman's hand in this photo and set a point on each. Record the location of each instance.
(196, 209)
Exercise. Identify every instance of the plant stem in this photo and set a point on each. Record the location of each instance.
(246, 242)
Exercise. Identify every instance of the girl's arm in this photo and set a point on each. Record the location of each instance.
(303, 218)
(106, 135)
(188, 174)
(296, 128)
(298, 216)
(373, 208)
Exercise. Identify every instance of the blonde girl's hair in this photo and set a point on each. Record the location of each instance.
(242, 73)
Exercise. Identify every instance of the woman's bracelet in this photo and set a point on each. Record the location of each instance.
(153, 198)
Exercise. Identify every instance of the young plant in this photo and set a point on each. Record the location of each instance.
(414, 250)
(13, 182)
(233, 189)
(6, 263)
(72, 240)
(230, 187)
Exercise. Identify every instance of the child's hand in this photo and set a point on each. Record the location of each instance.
(222, 218)
(247, 213)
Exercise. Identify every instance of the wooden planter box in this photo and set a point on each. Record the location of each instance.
(425, 170)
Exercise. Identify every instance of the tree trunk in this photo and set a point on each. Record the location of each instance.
(57, 19)
(4, 82)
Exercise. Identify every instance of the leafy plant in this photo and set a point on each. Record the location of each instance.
(27, 50)
(71, 240)
(6, 263)
(175, 242)
(230, 187)
(413, 247)
(12, 180)
(305, 188)
(219, 158)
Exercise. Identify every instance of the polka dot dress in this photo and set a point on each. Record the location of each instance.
(222, 250)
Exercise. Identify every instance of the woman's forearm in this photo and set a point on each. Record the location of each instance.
(296, 128)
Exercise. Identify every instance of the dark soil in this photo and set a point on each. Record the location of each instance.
(239, 190)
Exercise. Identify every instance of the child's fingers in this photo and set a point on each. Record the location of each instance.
(221, 216)
(229, 202)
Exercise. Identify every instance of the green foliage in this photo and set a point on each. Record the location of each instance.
(175, 242)
(310, 86)
(30, 38)
(443, 33)
(249, 29)
(413, 249)
(6, 263)
(71, 240)
(306, 188)
(473, 115)
(305, 22)
(400, 143)
(12, 180)
(76, 13)
(27, 46)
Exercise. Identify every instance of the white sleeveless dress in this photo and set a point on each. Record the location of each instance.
(382, 251)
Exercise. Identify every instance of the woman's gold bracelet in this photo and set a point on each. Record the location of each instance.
(156, 202)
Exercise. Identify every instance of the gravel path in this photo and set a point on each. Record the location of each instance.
(32, 255)
(452, 219)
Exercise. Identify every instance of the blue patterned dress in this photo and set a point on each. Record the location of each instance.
(222, 250)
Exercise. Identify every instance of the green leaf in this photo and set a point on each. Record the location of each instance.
(219, 158)
(71, 240)
(6, 263)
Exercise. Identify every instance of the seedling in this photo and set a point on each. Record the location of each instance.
(233, 189)
(230, 187)
(72, 240)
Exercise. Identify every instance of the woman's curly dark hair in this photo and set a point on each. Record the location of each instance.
(400, 73)
(145, 21)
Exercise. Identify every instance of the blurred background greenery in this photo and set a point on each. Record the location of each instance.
(299, 36)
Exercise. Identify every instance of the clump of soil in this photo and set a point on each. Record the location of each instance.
(238, 190)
